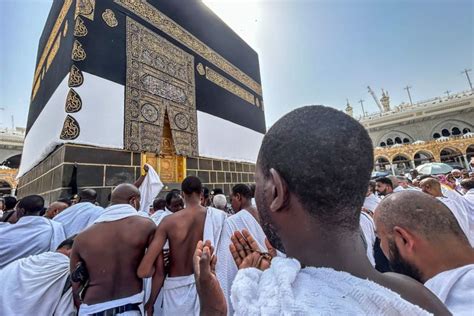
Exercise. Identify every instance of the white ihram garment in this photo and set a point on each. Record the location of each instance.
(149, 189)
(455, 288)
(287, 289)
(78, 217)
(226, 269)
(31, 235)
(179, 293)
(34, 286)
(371, 202)
(368, 229)
(460, 211)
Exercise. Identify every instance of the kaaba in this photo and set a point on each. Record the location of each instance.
(120, 83)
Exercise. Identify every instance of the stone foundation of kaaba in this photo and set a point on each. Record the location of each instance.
(103, 169)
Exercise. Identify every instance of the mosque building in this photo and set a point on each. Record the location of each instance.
(440, 129)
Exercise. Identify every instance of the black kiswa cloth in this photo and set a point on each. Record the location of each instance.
(81, 275)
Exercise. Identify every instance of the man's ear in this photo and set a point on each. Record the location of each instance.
(404, 240)
(280, 196)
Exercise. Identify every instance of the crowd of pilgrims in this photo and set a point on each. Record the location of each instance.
(314, 235)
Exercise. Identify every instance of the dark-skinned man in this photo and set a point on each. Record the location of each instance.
(246, 217)
(54, 209)
(105, 257)
(422, 239)
(81, 215)
(312, 174)
(31, 235)
(183, 230)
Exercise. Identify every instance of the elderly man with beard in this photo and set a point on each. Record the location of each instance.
(422, 239)
(312, 215)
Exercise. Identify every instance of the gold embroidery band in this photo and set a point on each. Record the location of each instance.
(52, 37)
(159, 20)
(228, 85)
(53, 52)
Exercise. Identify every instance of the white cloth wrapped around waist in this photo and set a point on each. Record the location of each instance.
(100, 307)
(180, 296)
(34, 286)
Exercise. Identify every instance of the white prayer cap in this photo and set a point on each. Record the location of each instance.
(455, 170)
(220, 201)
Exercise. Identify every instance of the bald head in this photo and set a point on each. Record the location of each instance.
(88, 195)
(54, 209)
(420, 213)
(431, 186)
(126, 193)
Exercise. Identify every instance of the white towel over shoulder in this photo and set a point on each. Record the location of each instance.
(31, 235)
(287, 289)
(116, 212)
(179, 293)
(226, 269)
(34, 286)
(455, 288)
(78, 217)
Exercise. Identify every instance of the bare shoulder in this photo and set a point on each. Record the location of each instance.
(414, 292)
(144, 222)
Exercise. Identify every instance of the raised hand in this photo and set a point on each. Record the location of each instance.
(247, 253)
(210, 294)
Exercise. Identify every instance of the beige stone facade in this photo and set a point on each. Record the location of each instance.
(436, 130)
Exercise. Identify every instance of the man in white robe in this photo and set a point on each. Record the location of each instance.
(458, 206)
(367, 227)
(312, 173)
(78, 217)
(38, 284)
(31, 235)
(423, 240)
(245, 218)
(183, 230)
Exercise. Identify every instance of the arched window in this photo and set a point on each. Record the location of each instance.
(466, 130)
(389, 142)
(382, 144)
(398, 140)
(445, 133)
(406, 141)
(455, 131)
(436, 135)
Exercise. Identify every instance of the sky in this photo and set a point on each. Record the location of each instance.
(310, 51)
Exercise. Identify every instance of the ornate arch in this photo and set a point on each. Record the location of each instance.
(449, 124)
(399, 153)
(424, 151)
(393, 134)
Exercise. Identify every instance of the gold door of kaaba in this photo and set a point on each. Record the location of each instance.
(160, 105)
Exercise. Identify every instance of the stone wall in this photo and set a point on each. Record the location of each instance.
(103, 169)
(97, 168)
(224, 174)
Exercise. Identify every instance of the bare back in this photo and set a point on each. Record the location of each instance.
(183, 230)
(112, 252)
